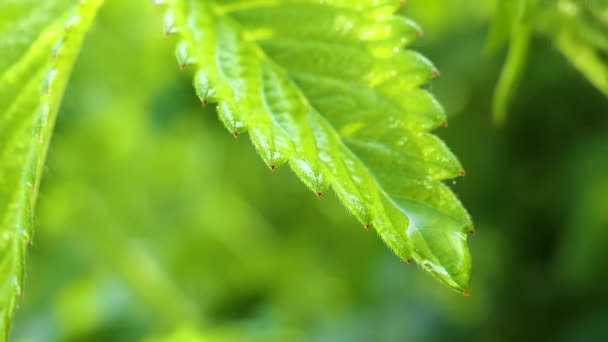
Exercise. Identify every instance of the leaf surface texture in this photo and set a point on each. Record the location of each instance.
(329, 87)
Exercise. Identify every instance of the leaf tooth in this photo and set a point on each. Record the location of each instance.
(355, 203)
(274, 148)
(170, 22)
(451, 266)
(183, 55)
(311, 173)
(203, 88)
(231, 118)
(397, 33)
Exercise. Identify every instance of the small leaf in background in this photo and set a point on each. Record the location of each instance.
(582, 37)
(579, 30)
(39, 43)
(513, 23)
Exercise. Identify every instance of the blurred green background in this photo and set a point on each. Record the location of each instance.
(154, 221)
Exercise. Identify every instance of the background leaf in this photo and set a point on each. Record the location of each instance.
(40, 42)
(328, 87)
(579, 29)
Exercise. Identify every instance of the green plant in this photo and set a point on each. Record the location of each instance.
(325, 86)
(41, 42)
(328, 88)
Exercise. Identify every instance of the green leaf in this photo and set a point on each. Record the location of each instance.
(512, 19)
(506, 14)
(39, 41)
(512, 70)
(578, 28)
(586, 59)
(327, 87)
(582, 36)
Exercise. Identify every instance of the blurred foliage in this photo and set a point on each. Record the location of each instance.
(579, 28)
(155, 224)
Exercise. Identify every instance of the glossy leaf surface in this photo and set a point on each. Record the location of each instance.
(329, 88)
